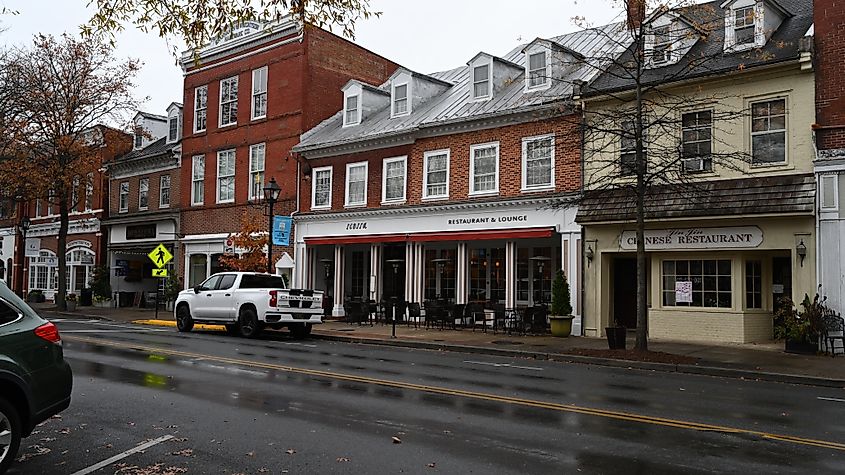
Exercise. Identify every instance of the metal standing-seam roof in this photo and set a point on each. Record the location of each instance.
(455, 104)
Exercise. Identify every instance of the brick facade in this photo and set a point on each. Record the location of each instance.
(829, 19)
(153, 195)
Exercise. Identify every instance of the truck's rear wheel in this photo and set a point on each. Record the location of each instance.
(184, 322)
(248, 323)
(10, 434)
(300, 331)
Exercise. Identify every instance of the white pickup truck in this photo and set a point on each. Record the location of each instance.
(247, 302)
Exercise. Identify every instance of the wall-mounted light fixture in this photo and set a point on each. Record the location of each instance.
(801, 250)
(589, 254)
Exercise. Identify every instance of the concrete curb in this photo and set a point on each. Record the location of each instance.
(563, 357)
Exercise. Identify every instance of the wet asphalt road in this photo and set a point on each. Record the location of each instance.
(209, 403)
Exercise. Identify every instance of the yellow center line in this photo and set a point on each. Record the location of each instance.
(570, 408)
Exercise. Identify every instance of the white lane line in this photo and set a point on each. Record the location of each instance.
(122, 455)
(830, 399)
(504, 365)
(298, 344)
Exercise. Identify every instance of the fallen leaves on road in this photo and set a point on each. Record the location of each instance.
(397, 440)
(156, 469)
(36, 450)
(342, 459)
(250, 454)
(184, 453)
(290, 451)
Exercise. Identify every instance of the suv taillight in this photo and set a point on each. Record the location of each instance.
(49, 332)
(274, 298)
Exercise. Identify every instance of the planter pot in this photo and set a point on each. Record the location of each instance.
(801, 347)
(616, 337)
(103, 304)
(71, 306)
(169, 305)
(561, 325)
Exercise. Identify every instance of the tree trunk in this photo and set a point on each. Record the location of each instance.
(61, 252)
(642, 275)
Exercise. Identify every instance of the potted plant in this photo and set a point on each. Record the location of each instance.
(35, 296)
(172, 287)
(800, 330)
(70, 300)
(561, 311)
(616, 335)
(101, 286)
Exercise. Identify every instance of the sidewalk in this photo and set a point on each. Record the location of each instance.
(764, 361)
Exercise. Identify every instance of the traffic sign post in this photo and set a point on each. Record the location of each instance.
(160, 257)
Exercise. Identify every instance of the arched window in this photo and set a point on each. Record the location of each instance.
(42, 271)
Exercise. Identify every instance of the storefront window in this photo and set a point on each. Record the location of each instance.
(711, 282)
(359, 275)
(198, 263)
(487, 275)
(440, 274)
(753, 284)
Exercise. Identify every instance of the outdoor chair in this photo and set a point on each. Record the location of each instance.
(414, 313)
(512, 321)
(834, 330)
(458, 313)
(498, 317)
(479, 316)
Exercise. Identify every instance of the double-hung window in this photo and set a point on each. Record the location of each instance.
(164, 191)
(321, 191)
(696, 141)
(139, 137)
(436, 178)
(744, 25)
(538, 162)
(197, 180)
(173, 128)
(537, 70)
(394, 179)
(356, 184)
(661, 46)
(259, 93)
(350, 113)
(484, 168)
(226, 176)
(229, 101)
(89, 191)
(400, 99)
(628, 148)
(481, 82)
(753, 284)
(144, 193)
(200, 108)
(768, 132)
(123, 199)
(829, 193)
(256, 171)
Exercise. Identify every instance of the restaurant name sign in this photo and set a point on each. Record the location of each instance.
(695, 238)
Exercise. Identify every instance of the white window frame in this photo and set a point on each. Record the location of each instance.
(552, 181)
(785, 130)
(347, 110)
(197, 181)
(231, 177)
(173, 118)
(472, 149)
(161, 188)
(426, 156)
(665, 45)
(489, 81)
(832, 181)
(122, 198)
(385, 162)
(407, 110)
(347, 202)
(257, 194)
(198, 108)
(682, 142)
(229, 102)
(256, 92)
(734, 27)
(314, 173)
(143, 192)
(546, 75)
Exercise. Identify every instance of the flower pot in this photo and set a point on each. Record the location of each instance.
(616, 337)
(561, 325)
(801, 347)
(71, 305)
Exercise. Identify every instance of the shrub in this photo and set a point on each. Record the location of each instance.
(101, 283)
(561, 304)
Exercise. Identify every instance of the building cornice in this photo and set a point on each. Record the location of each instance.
(143, 165)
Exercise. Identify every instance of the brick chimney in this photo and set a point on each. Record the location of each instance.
(636, 13)
(829, 39)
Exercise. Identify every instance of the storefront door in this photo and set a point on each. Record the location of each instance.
(625, 291)
(781, 280)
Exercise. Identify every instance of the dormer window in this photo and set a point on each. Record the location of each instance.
(481, 82)
(400, 100)
(351, 115)
(537, 70)
(139, 136)
(744, 25)
(661, 51)
(173, 128)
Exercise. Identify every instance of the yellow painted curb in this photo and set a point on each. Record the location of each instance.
(171, 323)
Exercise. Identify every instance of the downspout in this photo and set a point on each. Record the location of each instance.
(816, 206)
(583, 126)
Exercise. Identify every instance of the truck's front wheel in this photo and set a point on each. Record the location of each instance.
(300, 331)
(248, 323)
(184, 322)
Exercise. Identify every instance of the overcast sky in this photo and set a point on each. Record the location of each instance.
(426, 36)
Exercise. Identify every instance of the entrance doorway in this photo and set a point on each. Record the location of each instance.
(781, 280)
(625, 292)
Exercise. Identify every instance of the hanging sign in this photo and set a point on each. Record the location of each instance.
(33, 247)
(281, 230)
(695, 238)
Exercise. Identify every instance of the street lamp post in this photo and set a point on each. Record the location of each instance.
(271, 196)
(23, 226)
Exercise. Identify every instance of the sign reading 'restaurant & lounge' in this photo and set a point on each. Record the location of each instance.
(695, 238)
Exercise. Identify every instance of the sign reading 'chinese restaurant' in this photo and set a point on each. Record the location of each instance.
(695, 238)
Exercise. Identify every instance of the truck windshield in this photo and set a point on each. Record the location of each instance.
(262, 282)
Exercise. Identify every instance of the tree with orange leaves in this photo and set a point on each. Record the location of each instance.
(251, 242)
(58, 94)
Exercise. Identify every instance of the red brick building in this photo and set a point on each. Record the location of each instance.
(451, 186)
(247, 100)
(829, 59)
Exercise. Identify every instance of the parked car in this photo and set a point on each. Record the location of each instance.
(35, 379)
(247, 302)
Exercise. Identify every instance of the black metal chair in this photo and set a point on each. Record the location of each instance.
(478, 316)
(458, 313)
(414, 313)
(834, 330)
(513, 322)
(399, 310)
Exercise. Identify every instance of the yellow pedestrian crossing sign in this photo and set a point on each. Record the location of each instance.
(160, 256)
(159, 272)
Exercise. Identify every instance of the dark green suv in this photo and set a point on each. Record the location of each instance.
(35, 380)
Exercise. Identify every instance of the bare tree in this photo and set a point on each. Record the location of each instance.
(59, 93)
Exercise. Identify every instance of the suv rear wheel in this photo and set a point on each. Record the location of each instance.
(10, 434)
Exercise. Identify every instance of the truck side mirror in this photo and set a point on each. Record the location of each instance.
(198, 289)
